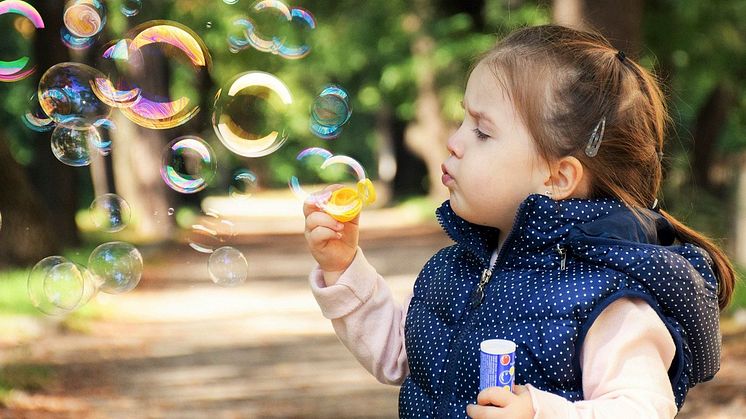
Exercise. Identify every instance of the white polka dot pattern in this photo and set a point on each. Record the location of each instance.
(547, 310)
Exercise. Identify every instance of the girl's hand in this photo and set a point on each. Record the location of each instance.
(332, 244)
(496, 402)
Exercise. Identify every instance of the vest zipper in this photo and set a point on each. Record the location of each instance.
(478, 295)
(563, 256)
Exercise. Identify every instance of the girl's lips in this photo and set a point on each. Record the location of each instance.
(446, 178)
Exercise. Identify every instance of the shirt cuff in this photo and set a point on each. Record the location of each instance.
(354, 287)
(548, 405)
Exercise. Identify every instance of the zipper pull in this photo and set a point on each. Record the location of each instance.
(563, 254)
(478, 295)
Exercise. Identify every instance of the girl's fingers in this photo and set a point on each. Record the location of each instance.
(495, 396)
(322, 234)
(482, 412)
(320, 219)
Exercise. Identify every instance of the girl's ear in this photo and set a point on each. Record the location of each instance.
(567, 179)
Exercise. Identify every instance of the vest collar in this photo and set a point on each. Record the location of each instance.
(542, 222)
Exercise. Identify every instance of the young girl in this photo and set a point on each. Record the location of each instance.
(559, 246)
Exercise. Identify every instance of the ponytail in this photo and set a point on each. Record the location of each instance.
(722, 266)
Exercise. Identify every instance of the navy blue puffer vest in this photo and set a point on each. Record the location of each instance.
(561, 265)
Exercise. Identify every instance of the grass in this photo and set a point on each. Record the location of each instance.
(24, 377)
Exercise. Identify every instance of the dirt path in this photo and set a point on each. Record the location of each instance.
(181, 347)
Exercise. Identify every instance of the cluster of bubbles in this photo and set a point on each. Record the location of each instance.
(19, 69)
(280, 15)
(57, 286)
(249, 118)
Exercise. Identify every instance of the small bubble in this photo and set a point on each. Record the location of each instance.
(170, 211)
(228, 267)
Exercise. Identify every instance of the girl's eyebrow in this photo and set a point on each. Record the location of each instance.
(478, 115)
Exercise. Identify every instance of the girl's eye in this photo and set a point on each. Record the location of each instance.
(480, 134)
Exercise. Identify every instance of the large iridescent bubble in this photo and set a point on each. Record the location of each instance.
(250, 114)
(188, 164)
(163, 38)
(118, 265)
(66, 95)
(121, 63)
(15, 70)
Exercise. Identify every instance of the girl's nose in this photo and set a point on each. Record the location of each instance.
(452, 145)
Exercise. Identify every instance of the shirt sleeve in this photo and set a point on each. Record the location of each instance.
(625, 360)
(366, 318)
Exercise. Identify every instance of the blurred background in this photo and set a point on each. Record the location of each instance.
(180, 344)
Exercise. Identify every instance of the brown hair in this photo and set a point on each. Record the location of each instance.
(563, 82)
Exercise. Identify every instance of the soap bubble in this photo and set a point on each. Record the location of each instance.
(243, 183)
(131, 8)
(34, 118)
(308, 23)
(228, 267)
(274, 29)
(310, 161)
(84, 18)
(250, 113)
(65, 95)
(57, 286)
(72, 146)
(345, 202)
(63, 285)
(11, 71)
(163, 38)
(118, 265)
(330, 110)
(188, 164)
(170, 211)
(210, 231)
(230, 1)
(121, 63)
(110, 213)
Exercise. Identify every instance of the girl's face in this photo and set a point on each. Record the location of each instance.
(493, 164)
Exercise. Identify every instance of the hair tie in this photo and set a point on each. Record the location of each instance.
(620, 54)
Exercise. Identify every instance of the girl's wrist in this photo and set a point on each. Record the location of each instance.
(331, 277)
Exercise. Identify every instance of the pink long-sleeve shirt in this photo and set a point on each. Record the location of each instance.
(625, 356)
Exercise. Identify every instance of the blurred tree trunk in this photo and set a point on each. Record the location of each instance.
(708, 127)
(27, 233)
(136, 159)
(619, 22)
(55, 182)
(427, 134)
